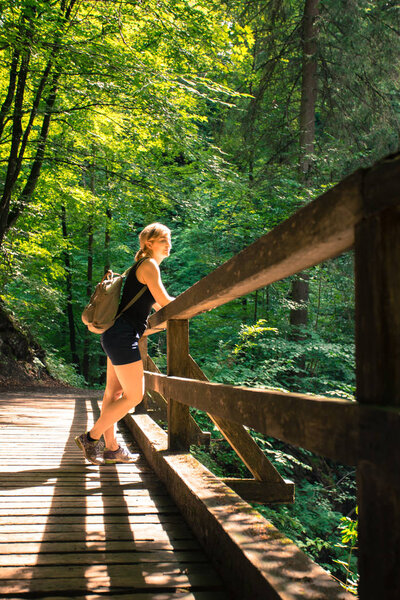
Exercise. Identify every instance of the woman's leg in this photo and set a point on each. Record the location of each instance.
(131, 380)
(112, 392)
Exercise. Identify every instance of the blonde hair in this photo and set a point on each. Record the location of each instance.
(150, 232)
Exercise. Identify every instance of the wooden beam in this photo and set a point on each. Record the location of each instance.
(326, 426)
(178, 412)
(141, 408)
(156, 398)
(377, 267)
(378, 309)
(320, 230)
(322, 425)
(262, 491)
(381, 185)
(256, 561)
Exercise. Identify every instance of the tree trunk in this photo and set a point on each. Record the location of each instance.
(255, 306)
(299, 311)
(10, 90)
(16, 134)
(68, 281)
(89, 285)
(89, 279)
(300, 285)
(34, 174)
(308, 87)
(107, 238)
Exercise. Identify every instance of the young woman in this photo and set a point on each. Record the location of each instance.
(125, 378)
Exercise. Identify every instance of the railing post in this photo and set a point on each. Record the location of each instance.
(141, 408)
(177, 364)
(377, 270)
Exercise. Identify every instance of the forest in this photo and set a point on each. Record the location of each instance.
(219, 119)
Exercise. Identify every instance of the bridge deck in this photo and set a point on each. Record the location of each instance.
(73, 530)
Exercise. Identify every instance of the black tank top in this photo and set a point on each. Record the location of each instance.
(138, 313)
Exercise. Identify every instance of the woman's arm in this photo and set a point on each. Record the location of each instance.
(149, 273)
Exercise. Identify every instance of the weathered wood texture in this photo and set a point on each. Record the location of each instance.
(321, 230)
(377, 268)
(252, 456)
(197, 436)
(377, 265)
(76, 530)
(338, 429)
(141, 408)
(256, 561)
(264, 492)
(178, 413)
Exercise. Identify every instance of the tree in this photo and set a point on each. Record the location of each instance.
(37, 28)
(309, 84)
(142, 69)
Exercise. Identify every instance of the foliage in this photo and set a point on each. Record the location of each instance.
(266, 357)
(349, 529)
(63, 371)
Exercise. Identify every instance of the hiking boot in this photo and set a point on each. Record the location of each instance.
(91, 450)
(122, 455)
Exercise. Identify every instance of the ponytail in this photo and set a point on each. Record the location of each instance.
(140, 254)
(151, 232)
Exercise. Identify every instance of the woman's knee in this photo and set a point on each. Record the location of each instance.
(133, 398)
(112, 394)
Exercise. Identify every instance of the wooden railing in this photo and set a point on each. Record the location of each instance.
(363, 212)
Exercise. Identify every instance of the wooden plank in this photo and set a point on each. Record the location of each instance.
(180, 595)
(381, 187)
(256, 561)
(57, 490)
(100, 578)
(144, 499)
(89, 483)
(329, 427)
(93, 558)
(60, 520)
(377, 267)
(178, 413)
(378, 309)
(141, 408)
(90, 471)
(175, 527)
(131, 571)
(40, 511)
(253, 490)
(97, 545)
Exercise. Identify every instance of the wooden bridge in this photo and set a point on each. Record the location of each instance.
(77, 531)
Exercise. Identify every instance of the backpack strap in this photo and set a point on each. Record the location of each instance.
(135, 266)
(140, 292)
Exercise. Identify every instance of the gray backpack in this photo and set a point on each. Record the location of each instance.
(101, 312)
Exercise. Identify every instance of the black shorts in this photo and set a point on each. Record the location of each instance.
(121, 343)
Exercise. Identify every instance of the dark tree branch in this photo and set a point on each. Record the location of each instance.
(10, 91)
